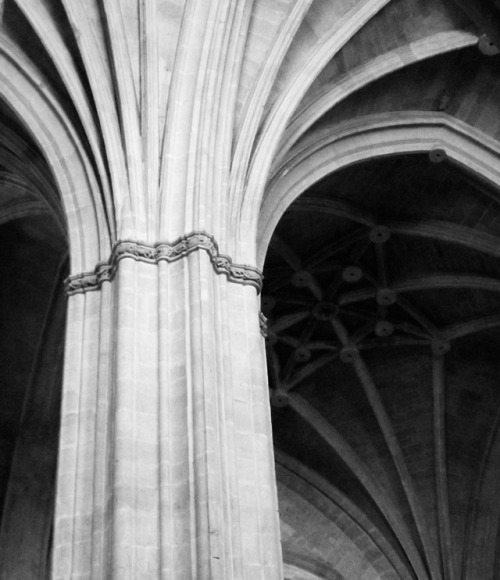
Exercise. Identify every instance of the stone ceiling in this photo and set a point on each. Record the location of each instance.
(383, 305)
(382, 298)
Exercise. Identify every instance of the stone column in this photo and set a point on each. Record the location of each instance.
(166, 462)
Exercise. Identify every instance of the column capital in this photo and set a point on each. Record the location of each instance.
(164, 251)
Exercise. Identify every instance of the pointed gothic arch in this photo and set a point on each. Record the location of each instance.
(366, 138)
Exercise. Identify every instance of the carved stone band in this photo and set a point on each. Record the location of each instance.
(170, 252)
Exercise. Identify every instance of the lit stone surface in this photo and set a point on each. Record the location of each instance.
(186, 409)
(153, 147)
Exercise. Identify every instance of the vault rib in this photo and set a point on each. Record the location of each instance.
(284, 250)
(291, 363)
(471, 326)
(288, 320)
(150, 130)
(451, 233)
(253, 108)
(100, 79)
(393, 445)
(11, 154)
(418, 316)
(428, 282)
(253, 165)
(439, 410)
(127, 102)
(377, 493)
(441, 230)
(342, 501)
(334, 248)
(474, 507)
(353, 258)
(309, 369)
(39, 18)
(335, 207)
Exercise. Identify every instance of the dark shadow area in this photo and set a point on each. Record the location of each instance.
(33, 265)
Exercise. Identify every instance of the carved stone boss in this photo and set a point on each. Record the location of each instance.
(170, 252)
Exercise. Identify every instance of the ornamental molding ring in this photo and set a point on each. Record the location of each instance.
(169, 252)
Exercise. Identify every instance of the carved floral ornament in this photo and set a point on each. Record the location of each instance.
(170, 252)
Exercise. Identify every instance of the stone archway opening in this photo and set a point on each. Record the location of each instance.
(382, 298)
(33, 265)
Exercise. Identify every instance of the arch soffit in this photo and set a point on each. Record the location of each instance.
(363, 139)
(373, 70)
(90, 227)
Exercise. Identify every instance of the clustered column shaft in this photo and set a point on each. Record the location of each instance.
(166, 467)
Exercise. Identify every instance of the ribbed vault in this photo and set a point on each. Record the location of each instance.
(382, 305)
(382, 298)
